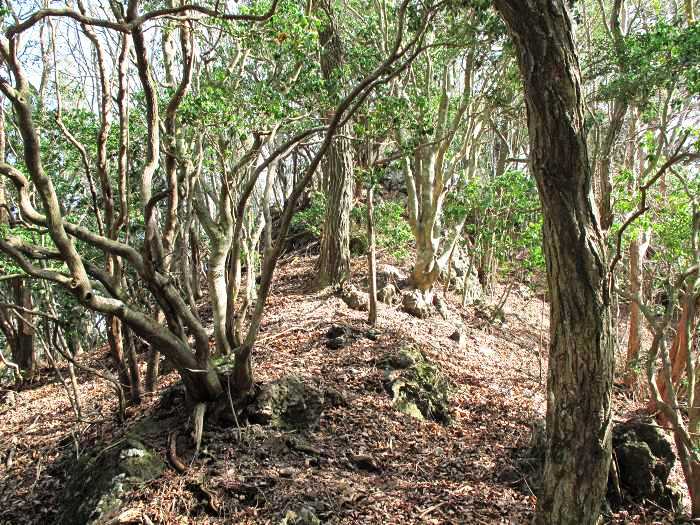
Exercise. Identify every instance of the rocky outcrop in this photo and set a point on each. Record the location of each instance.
(98, 481)
(354, 298)
(414, 303)
(388, 274)
(462, 275)
(417, 386)
(389, 294)
(644, 457)
(642, 461)
(287, 404)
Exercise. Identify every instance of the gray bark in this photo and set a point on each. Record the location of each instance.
(580, 375)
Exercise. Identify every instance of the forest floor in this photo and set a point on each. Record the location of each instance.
(423, 472)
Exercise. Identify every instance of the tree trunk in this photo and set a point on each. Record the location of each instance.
(679, 348)
(196, 264)
(115, 338)
(134, 370)
(334, 260)
(580, 375)
(371, 257)
(24, 354)
(634, 342)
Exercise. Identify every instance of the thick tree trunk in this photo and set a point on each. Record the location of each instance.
(426, 270)
(580, 375)
(334, 260)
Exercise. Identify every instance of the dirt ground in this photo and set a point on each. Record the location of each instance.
(423, 472)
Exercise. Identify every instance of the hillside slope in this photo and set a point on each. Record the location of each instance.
(412, 471)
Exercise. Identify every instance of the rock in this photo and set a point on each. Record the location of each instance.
(389, 294)
(354, 298)
(340, 336)
(287, 404)
(405, 358)
(304, 516)
(462, 275)
(394, 180)
(645, 457)
(414, 303)
(337, 343)
(364, 462)
(301, 445)
(337, 330)
(335, 398)
(358, 245)
(417, 386)
(459, 338)
(388, 274)
(98, 482)
(275, 445)
(172, 397)
(440, 305)
(10, 398)
(373, 334)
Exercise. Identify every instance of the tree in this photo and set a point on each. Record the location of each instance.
(334, 259)
(580, 375)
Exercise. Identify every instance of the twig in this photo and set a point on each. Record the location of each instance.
(431, 509)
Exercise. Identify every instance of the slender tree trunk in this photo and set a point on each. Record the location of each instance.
(134, 370)
(24, 353)
(689, 12)
(196, 264)
(580, 375)
(115, 338)
(371, 257)
(679, 347)
(637, 251)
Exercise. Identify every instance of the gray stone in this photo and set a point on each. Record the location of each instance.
(459, 338)
(98, 482)
(388, 274)
(303, 516)
(354, 298)
(287, 403)
(417, 386)
(414, 303)
(389, 294)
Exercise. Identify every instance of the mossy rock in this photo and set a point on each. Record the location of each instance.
(99, 480)
(418, 387)
(358, 245)
(304, 516)
(287, 404)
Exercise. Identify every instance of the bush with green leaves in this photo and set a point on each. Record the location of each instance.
(311, 218)
(392, 230)
(502, 215)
